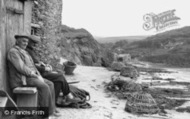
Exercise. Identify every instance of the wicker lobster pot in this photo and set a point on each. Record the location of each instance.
(141, 103)
(131, 87)
(117, 66)
(129, 71)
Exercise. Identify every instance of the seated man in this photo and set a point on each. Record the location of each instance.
(22, 71)
(58, 79)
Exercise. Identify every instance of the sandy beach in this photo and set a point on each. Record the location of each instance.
(104, 104)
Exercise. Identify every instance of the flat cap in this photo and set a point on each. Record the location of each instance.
(21, 36)
(34, 38)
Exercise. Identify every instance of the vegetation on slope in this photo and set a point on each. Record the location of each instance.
(171, 48)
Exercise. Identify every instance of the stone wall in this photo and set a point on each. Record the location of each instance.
(76, 45)
(47, 14)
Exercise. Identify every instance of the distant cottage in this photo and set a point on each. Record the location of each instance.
(125, 58)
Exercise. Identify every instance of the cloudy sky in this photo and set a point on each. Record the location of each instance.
(120, 17)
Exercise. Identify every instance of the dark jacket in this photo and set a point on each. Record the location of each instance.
(31, 52)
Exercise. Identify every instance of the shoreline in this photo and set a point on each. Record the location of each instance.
(106, 105)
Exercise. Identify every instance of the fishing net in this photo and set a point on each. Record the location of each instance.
(138, 101)
(117, 83)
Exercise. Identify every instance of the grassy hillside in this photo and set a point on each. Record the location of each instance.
(171, 47)
(175, 45)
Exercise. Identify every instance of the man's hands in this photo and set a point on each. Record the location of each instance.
(34, 74)
(41, 63)
(47, 66)
(37, 75)
(40, 78)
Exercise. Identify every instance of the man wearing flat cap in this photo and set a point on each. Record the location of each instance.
(60, 83)
(22, 71)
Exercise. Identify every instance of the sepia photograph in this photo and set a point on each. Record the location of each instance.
(94, 59)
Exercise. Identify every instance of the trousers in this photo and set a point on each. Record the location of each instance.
(46, 93)
(60, 83)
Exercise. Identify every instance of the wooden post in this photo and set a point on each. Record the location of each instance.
(2, 45)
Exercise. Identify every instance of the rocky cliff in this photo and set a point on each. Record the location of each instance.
(58, 40)
(78, 45)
